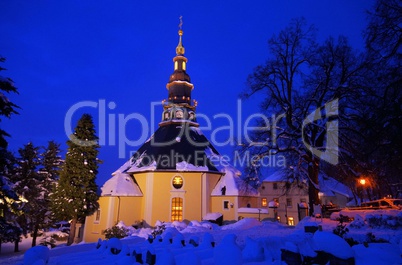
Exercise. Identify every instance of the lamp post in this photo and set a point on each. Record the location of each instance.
(362, 182)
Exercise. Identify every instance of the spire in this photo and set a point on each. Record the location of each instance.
(180, 48)
(179, 106)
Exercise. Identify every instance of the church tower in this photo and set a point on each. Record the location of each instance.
(179, 106)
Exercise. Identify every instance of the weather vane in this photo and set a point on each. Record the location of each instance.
(181, 22)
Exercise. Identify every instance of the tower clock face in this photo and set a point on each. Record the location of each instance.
(177, 182)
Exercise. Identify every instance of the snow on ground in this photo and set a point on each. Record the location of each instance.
(247, 241)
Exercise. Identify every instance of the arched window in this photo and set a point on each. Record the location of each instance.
(191, 115)
(177, 209)
(179, 114)
(166, 116)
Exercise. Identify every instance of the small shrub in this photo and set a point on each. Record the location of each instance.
(138, 224)
(341, 230)
(159, 229)
(60, 236)
(48, 241)
(116, 231)
(384, 221)
(370, 238)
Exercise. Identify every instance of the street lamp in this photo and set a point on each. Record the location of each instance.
(362, 182)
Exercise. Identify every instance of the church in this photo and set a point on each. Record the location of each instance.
(175, 175)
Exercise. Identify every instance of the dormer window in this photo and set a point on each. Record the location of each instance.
(191, 116)
(166, 116)
(179, 114)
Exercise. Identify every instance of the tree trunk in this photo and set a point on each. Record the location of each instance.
(72, 231)
(16, 244)
(34, 235)
(313, 182)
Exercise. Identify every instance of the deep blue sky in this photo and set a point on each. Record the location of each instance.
(60, 53)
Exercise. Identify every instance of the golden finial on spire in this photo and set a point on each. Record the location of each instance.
(180, 48)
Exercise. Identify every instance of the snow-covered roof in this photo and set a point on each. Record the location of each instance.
(277, 176)
(173, 147)
(327, 185)
(233, 184)
(120, 184)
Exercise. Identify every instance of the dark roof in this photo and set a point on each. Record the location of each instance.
(172, 144)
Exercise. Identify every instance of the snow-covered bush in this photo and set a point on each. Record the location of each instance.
(115, 246)
(384, 221)
(160, 227)
(48, 241)
(341, 230)
(358, 222)
(35, 254)
(253, 251)
(116, 231)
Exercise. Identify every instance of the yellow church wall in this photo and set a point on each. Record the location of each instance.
(158, 193)
(129, 211)
(97, 223)
(111, 211)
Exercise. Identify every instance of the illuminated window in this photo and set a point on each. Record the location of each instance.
(177, 182)
(97, 217)
(179, 114)
(289, 202)
(226, 205)
(176, 64)
(177, 209)
(184, 66)
(291, 221)
(264, 202)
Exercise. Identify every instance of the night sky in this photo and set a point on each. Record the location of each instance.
(118, 54)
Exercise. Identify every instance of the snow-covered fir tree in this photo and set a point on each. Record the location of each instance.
(9, 202)
(27, 184)
(75, 195)
(7, 108)
(49, 172)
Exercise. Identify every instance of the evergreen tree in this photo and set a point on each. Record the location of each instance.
(9, 203)
(28, 186)
(50, 170)
(75, 195)
(48, 174)
(7, 108)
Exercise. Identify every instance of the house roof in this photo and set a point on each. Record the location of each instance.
(233, 184)
(176, 146)
(327, 185)
(121, 184)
